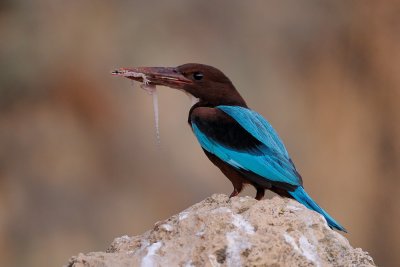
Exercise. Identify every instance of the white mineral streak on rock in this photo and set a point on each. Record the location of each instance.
(311, 220)
(122, 238)
(200, 233)
(144, 244)
(167, 227)
(237, 220)
(290, 240)
(183, 215)
(236, 244)
(244, 199)
(149, 259)
(309, 250)
(189, 264)
(222, 210)
(213, 260)
(293, 208)
(242, 224)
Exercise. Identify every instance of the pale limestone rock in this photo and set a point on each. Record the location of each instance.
(233, 232)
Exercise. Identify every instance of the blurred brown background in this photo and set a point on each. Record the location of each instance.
(79, 164)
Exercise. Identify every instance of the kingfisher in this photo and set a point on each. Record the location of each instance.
(235, 138)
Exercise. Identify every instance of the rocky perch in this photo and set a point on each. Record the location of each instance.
(233, 232)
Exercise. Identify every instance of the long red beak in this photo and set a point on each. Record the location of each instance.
(166, 76)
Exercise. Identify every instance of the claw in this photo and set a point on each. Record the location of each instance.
(234, 193)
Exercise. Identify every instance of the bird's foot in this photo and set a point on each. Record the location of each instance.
(234, 193)
(260, 193)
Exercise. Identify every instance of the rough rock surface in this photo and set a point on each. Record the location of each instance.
(233, 232)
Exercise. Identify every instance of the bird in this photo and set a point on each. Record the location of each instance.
(236, 139)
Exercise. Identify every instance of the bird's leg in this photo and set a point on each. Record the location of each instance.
(260, 193)
(234, 193)
(236, 190)
(233, 175)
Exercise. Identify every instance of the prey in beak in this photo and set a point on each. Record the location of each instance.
(165, 76)
(150, 77)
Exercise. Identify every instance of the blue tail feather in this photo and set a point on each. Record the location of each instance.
(301, 196)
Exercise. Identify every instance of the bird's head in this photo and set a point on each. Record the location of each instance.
(204, 82)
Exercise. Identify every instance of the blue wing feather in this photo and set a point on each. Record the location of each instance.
(257, 126)
(273, 163)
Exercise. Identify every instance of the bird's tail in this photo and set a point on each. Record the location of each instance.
(301, 196)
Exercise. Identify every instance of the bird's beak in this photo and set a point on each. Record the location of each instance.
(169, 77)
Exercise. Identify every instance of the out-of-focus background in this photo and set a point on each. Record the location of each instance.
(79, 162)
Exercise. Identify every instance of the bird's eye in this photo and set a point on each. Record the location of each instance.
(198, 76)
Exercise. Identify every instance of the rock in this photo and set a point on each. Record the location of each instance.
(233, 232)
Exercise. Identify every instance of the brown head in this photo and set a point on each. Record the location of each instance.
(207, 83)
